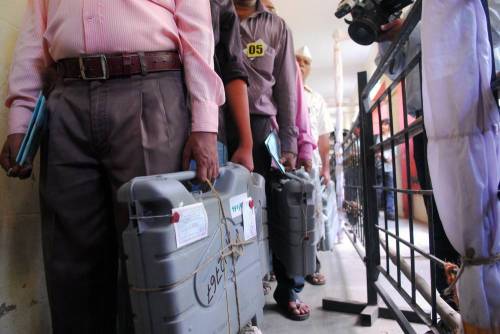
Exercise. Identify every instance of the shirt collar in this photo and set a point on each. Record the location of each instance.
(259, 9)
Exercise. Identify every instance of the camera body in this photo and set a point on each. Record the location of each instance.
(368, 16)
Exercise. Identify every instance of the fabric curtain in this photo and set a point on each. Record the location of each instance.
(463, 126)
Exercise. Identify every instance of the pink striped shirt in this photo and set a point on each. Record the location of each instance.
(56, 29)
(305, 142)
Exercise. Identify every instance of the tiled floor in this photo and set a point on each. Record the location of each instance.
(345, 274)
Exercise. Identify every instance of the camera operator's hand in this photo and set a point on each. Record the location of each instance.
(391, 30)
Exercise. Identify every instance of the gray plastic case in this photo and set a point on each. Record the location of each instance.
(293, 233)
(190, 289)
(257, 191)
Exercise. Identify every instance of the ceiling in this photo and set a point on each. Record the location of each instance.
(313, 23)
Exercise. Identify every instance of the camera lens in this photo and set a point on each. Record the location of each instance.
(363, 32)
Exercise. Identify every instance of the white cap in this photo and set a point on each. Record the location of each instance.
(304, 52)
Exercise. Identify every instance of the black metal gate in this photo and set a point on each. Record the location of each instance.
(368, 188)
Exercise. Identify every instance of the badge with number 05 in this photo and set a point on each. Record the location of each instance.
(256, 49)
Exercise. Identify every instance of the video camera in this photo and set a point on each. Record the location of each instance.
(368, 16)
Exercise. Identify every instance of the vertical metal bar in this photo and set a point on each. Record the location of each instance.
(358, 178)
(410, 195)
(356, 171)
(383, 191)
(432, 248)
(394, 186)
(370, 213)
(361, 189)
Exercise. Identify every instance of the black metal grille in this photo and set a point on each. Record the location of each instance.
(377, 170)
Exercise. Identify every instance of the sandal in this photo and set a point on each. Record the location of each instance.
(291, 305)
(316, 279)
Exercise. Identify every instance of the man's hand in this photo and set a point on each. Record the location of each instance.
(288, 160)
(325, 174)
(307, 164)
(390, 30)
(244, 157)
(202, 148)
(8, 157)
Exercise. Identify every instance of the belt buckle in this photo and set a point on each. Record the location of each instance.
(104, 67)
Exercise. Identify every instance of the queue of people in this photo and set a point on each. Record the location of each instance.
(142, 88)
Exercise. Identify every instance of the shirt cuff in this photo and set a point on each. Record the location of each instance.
(204, 116)
(288, 140)
(305, 152)
(19, 119)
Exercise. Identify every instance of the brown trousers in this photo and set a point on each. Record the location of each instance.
(101, 134)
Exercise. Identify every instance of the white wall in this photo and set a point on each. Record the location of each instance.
(23, 301)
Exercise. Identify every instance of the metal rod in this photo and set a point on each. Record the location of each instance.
(370, 211)
(410, 197)
(424, 316)
(449, 316)
(352, 187)
(394, 196)
(398, 315)
(382, 195)
(359, 249)
(412, 246)
(406, 191)
(432, 249)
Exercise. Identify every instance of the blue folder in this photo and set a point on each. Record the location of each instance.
(273, 147)
(33, 136)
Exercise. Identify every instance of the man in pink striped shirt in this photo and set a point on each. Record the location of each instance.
(124, 74)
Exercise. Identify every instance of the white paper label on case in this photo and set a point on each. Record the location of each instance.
(192, 225)
(249, 222)
(236, 204)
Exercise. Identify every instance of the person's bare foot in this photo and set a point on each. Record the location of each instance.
(297, 310)
(316, 279)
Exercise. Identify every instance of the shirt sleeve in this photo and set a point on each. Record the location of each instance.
(229, 51)
(205, 88)
(325, 124)
(305, 142)
(31, 57)
(285, 92)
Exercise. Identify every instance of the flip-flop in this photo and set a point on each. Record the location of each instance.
(283, 297)
(316, 279)
(285, 307)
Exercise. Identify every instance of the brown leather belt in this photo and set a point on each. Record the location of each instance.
(103, 67)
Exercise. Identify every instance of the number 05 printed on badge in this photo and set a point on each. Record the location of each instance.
(255, 49)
